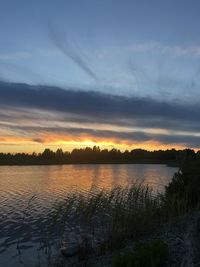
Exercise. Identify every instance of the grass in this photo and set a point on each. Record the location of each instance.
(119, 213)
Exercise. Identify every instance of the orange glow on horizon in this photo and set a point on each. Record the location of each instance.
(67, 143)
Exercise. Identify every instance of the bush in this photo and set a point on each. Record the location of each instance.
(183, 192)
(152, 255)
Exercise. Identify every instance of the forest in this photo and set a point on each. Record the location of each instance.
(96, 155)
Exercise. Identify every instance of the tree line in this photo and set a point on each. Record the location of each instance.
(97, 155)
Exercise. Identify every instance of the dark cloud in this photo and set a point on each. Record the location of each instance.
(93, 104)
(38, 140)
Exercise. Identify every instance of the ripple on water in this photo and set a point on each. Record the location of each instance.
(27, 194)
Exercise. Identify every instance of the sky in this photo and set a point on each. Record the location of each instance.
(112, 73)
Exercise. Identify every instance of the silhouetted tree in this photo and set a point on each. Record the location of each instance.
(96, 155)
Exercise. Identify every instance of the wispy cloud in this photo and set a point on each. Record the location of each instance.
(178, 50)
(53, 134)
(71, 53)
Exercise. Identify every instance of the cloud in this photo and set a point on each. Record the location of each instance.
(177, 50)
(68, 51)
(70, 105)
(94, 104)
(46, 134)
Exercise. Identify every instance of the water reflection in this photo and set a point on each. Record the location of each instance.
(50, 183)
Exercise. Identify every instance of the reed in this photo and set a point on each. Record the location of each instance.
(117, 214)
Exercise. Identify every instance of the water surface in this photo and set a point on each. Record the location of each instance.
(28, 192)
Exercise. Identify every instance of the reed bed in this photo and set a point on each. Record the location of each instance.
(115, 215)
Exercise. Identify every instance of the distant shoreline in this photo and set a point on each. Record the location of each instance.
(97, 156)
(167, 163)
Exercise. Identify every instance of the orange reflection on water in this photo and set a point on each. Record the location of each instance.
(50, 183)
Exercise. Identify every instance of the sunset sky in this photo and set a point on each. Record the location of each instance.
(112, 73)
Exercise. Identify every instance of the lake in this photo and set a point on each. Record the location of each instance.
(28, 192)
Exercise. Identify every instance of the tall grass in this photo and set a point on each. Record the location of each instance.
(115, 215)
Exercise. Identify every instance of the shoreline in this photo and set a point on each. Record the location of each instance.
(167, 163)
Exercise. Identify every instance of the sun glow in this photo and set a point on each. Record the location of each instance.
(15, 144)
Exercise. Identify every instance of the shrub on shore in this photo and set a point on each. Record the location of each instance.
(151, 255)
(182, 195)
